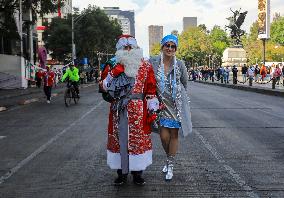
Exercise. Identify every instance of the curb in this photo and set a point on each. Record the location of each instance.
(266, 91)
(32, 100)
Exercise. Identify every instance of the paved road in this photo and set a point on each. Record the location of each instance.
(236, 149)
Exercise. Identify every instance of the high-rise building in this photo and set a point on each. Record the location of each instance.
(189, 22)
(155, 35)
(125, 18)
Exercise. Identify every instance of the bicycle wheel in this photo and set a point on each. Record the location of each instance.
(75, 96)
(67, 97)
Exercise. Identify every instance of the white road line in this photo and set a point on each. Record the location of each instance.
(237, 178)
(43, 147)
(2, 137)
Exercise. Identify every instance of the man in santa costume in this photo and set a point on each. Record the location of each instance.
(132, 86)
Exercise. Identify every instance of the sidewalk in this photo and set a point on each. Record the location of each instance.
(265, 88)
(13, 97)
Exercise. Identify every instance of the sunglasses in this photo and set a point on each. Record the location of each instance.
(170, 46)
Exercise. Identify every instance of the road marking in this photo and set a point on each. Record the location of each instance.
(3, 109)
(12, 171)
(2, 137)
(237, 178)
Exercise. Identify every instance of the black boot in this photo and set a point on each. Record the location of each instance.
(137, 178)
(121, 179)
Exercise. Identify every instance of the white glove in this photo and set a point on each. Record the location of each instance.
(153, 104)
(106, 81)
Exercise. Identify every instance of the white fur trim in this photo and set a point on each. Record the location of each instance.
(122, 42)
(131, 60)
(136, 162)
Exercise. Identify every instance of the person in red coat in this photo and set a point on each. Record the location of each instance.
(132, 84)
(48, 80)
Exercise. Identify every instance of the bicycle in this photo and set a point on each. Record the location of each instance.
(70, 93)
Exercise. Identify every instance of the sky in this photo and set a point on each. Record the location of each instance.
(169, 13)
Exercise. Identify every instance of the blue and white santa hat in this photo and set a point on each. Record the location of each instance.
(169, 38)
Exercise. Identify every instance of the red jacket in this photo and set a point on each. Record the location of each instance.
(48, 78)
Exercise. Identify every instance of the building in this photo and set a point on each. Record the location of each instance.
(189, 22)
(65, 10)
(125, 18)
(155, 35)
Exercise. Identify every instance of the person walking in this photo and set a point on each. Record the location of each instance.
(256, 73)
(226, 74)
(175, 116)
(132, 85)
(48, 81)
(277, 74)
(244, 72)
(38, 77)
(263, 72)
(235, 74)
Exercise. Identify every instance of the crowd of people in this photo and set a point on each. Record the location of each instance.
(255, 72)
(50, 77)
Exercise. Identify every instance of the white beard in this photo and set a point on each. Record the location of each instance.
(131, 60)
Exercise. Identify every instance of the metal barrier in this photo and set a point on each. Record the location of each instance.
(249, 80)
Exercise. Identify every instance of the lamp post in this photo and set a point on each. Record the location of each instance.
(73, 44)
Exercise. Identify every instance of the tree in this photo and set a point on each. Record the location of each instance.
(277, 31)
(274, 47)
(156, 49)
(219, 41)
(95, 33)
(252, 45)
(194, 46)
(8, 28)
(57, 38)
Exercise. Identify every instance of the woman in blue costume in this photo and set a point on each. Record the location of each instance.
(172, 77)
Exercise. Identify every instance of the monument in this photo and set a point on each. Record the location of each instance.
(235, 55)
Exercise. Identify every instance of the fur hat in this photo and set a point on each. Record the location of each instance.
(126, 40)
(170, 38)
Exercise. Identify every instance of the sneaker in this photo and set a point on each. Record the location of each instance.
(170, 172)
(165, 169)
(48, 101)
(120, 180)
(138, 180)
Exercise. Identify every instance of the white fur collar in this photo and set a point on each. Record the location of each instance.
(131, 61)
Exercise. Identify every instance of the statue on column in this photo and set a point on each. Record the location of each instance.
(235, 23)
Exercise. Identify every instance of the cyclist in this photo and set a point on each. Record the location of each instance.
(72, 73)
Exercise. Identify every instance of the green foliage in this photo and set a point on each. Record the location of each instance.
(94, 32)
(197, 44)
(58, 38)
(277, 31)
(156, 49)
(8, 28)
(274, 47)
(219, 41)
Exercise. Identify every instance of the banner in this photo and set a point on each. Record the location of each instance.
(263, 19)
